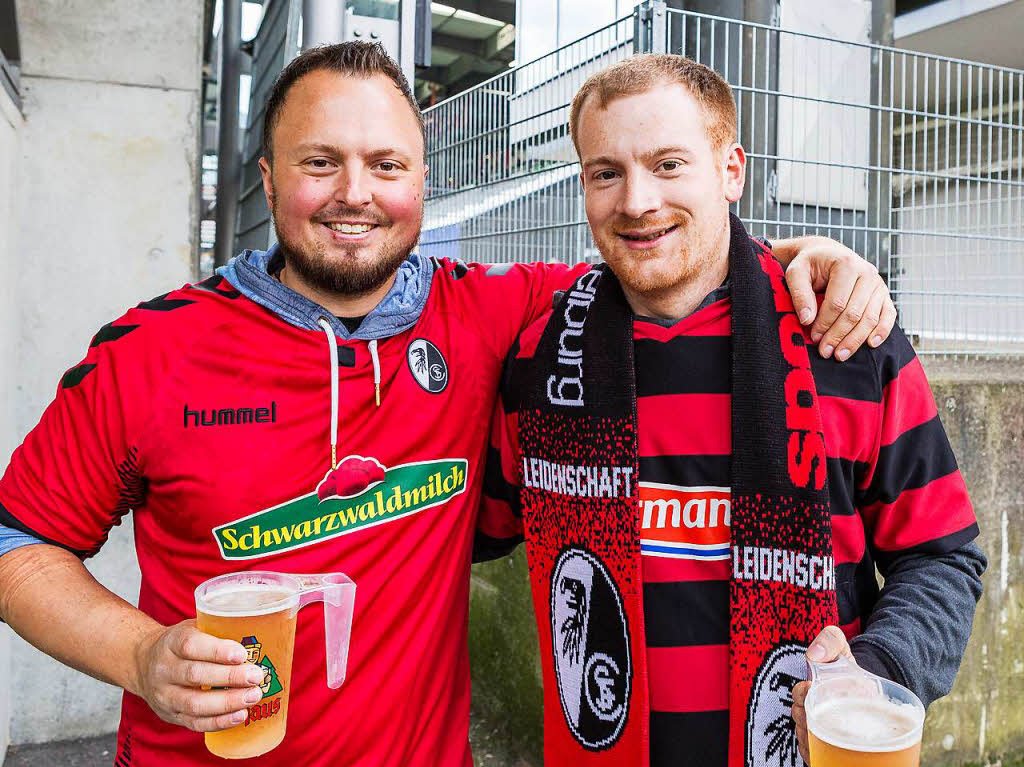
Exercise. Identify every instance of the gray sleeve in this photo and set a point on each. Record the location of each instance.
(11, 539)
(919, 627)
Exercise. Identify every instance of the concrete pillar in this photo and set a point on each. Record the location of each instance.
(106, 189)
(10, 148)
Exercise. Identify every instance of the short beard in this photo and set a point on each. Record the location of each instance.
(320, 272)
(697, 256)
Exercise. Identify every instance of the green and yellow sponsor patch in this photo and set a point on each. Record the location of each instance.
(406, 489)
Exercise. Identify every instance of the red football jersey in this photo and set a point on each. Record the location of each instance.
(208, 416)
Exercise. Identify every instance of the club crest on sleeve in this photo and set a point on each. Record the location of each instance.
(428, 366)
(590, 642)
(771, 733)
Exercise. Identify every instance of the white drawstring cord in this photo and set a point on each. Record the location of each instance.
(376, 369)
(332, 343)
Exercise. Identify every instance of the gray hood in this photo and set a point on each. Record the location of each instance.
(399, 310)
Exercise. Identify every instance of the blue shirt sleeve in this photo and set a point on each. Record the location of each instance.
(11, 539)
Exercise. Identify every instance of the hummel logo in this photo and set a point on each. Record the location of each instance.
(231, 417)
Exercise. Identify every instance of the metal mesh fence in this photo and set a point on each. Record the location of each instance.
(502, 184)
(913, 160)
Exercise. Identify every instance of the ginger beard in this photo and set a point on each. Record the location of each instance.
(688, 249)
(344, 269)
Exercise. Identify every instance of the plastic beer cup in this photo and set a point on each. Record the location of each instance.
(258, 609)
(857, 719)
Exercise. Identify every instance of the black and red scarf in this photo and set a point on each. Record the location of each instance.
(578, 434)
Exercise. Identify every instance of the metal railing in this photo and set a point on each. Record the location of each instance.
(502, 183)
(915, 161)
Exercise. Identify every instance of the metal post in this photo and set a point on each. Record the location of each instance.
(879, 220)
(650, 30)
(407, 39)
(759, 71)
(229, 159)
(424, 36)
(323, 22)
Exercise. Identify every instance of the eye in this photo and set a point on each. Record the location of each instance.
(604, 175)
(320, 163)
(671, 165)
(387, 166)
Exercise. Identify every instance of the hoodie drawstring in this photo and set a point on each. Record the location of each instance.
(376, 369)
(332, 343)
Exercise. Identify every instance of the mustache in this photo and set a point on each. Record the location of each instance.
(644, 222)
(331, 214)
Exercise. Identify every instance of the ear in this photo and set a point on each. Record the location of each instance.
(583, 181)
(426, 172)
(268, 185)
(734, 172)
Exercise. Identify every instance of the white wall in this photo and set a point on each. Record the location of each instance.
(10, 130)
(107, 219)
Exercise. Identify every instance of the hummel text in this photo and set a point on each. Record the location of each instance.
(231, 416)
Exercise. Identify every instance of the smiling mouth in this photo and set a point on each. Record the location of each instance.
(349, 228)
(648, 236)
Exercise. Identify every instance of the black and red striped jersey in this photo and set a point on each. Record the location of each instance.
(894, 483)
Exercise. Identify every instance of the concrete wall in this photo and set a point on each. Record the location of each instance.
(106, 187)
(982, 407)
(982, 720)
(10, 135)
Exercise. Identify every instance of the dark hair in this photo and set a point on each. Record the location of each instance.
(355, 58)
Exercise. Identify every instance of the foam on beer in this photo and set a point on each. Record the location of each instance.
(866, 724)
(248, 600)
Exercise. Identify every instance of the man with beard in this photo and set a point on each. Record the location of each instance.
(704, 501)
(216, 412)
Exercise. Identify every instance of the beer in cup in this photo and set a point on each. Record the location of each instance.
(857, 719)
(258, 609)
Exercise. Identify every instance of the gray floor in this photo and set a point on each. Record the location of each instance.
(488, 751)
(89, 752)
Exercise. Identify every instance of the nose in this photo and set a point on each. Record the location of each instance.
(639, 197)
(353, 189)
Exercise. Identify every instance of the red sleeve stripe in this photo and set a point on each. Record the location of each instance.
(848, 540)
(916, 458)
(917, 516)
(851, 427)
(707, 679)
(942, 545)
(909, 402)
(703, 415)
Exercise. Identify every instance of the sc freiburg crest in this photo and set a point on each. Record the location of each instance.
(427, 365)
(590, 642)
(771, 733)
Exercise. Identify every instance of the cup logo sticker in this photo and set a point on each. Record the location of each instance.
(270, 686)
(771, 733)
(427, 365)
(590, 642)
